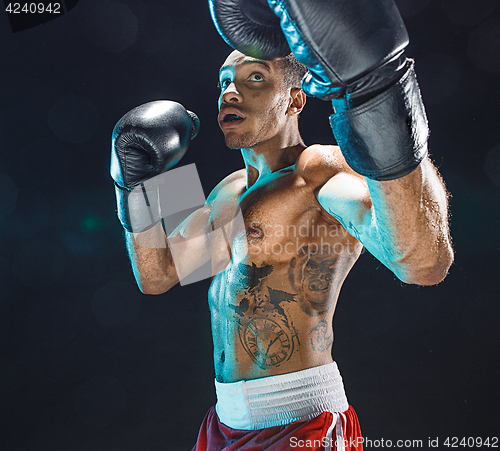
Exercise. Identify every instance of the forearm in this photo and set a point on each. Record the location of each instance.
(151, 260)
(146, 142)
(411, 219)
(158, 263)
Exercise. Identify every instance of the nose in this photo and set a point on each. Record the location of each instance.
(231, 95)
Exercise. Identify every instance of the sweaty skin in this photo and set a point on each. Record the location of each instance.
(272, 307)
(306, 216)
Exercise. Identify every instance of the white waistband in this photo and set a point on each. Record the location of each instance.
(283, 399)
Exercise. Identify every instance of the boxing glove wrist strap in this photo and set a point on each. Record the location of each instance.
(138, 210)
(386, 137)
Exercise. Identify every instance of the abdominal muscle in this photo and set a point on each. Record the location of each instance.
(275, 317)
(272, 306)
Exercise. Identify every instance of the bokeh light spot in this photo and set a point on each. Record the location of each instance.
(39, 264)
(83, 222)
(31, 216)
(484, 46)
(91, 223)
(73, 119)
(111, 25)
(44, 161)
(156, 30)
(467, 12)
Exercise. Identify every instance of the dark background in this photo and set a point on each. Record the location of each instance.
(89, 363)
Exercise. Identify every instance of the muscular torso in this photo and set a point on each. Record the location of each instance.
(272, 306)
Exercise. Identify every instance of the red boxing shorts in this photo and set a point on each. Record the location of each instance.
(305, 410)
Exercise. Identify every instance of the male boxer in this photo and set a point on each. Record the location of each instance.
(308, 211)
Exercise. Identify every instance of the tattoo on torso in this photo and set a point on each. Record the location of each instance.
(265, 327)
(266, 332)
(320, 341)
(310, 274)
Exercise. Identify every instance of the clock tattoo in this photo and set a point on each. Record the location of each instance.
(266, 342)
(265, 332)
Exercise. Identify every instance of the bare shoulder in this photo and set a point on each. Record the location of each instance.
(319, 163)
(339, 188)
(232, 182)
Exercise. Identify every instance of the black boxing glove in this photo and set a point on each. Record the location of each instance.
(146, 142)
(249, 26)
(354, 53)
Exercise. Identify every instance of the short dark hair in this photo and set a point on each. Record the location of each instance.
(293, 71)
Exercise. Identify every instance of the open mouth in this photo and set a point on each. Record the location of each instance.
(230, 117)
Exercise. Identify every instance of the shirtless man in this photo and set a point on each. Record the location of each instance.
(307, 214)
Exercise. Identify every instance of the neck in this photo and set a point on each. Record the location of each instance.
(270, 156)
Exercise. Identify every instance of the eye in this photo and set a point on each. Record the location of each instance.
(256, 77)
(224, 83)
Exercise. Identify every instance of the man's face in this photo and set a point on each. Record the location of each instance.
(253, 102)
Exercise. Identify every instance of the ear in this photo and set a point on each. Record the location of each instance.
(297, 101)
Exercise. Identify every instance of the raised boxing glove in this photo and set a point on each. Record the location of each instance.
(146, 142)
(354, 53)
(249, 26)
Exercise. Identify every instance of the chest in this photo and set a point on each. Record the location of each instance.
(267, 209)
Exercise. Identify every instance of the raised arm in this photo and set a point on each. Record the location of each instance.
(355, 54)
(148, 141)
(402, 222)
(411, 217)
(151, 257)
(151, 260)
